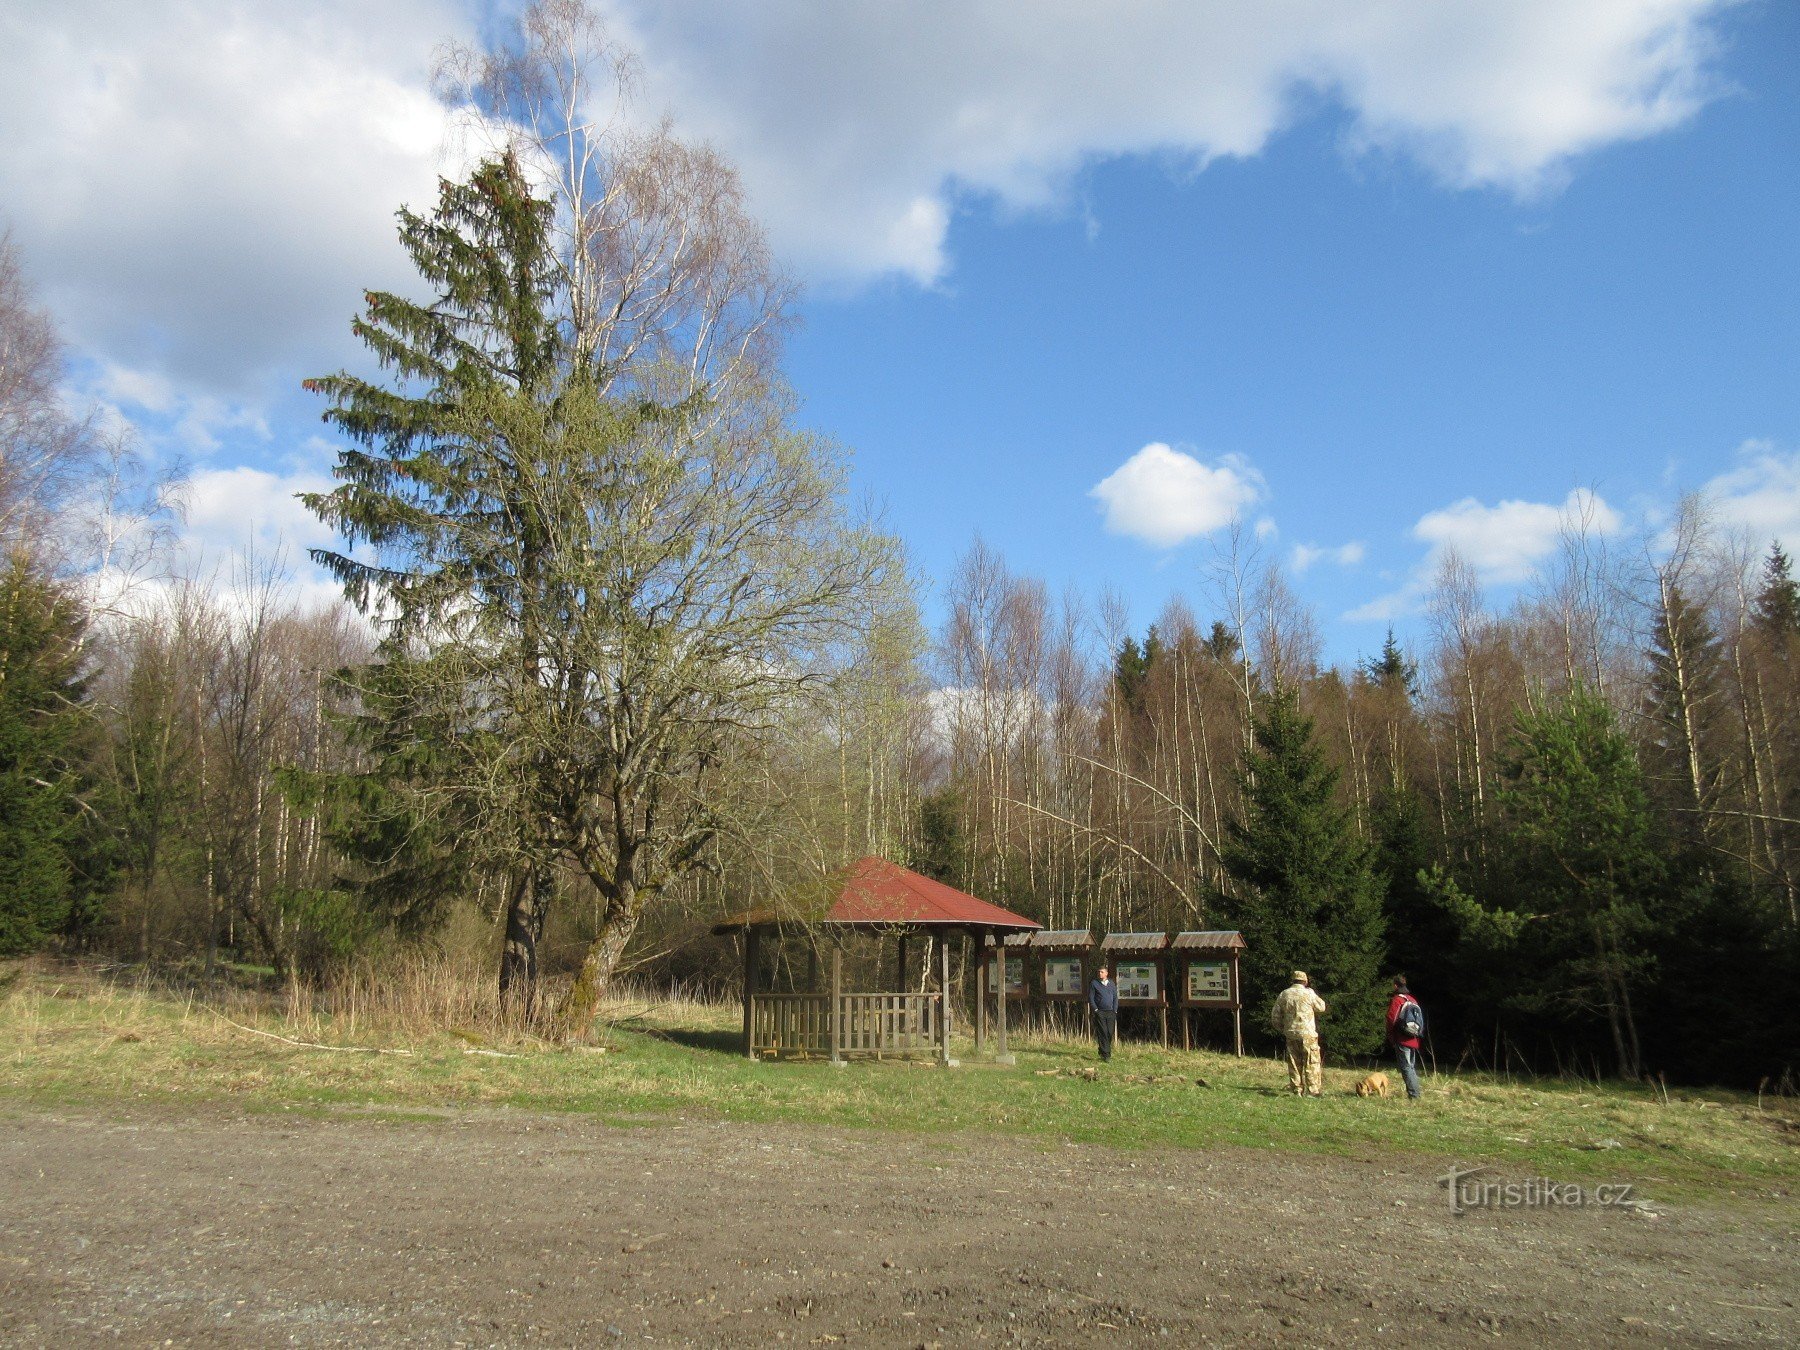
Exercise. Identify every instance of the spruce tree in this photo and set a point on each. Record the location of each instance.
(1392, 670)
(1302, 884)
(446, 490)
(595, 597)
(43, 696)
(1776, 609)
(1585, 862)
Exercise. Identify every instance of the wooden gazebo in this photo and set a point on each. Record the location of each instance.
(881, 898)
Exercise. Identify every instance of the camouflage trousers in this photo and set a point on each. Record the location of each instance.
(1305, 1072)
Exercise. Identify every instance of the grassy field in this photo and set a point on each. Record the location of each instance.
(69, 1036)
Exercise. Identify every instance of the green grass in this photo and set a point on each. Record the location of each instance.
(70, 1038)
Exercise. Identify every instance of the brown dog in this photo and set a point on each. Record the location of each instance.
(1375, 1085)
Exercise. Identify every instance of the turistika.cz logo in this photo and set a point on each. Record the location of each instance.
(1475, 1188)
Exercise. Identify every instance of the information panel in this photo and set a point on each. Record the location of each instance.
(1139, 982)
(1062, 977)
(1015, 976)
(1210, 982)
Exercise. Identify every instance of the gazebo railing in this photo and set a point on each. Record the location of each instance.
(794, 1023)
(868, 1024)
(875, 1024)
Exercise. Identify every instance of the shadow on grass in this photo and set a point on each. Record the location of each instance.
(719, 1042)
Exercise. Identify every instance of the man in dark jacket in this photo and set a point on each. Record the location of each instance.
(1103, 1000)
(1406, 1048)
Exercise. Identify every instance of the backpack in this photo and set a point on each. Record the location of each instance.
(1411, 1022)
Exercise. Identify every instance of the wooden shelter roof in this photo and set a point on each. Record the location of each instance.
(1058, 939)
(1214, 940)
(879, 894)
(1134, 942)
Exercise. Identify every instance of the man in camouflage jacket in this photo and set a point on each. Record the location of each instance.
(1296, 1009)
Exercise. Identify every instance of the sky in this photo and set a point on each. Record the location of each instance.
(1087, 282)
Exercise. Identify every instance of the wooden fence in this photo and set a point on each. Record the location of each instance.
(867, 1024)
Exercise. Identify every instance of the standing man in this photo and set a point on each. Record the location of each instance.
(1103, 1000)
(1296, 1009)
(1405, 1024)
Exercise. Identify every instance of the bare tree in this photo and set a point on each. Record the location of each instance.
(44, 449)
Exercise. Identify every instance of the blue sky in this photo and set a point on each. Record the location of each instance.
(1381, 279)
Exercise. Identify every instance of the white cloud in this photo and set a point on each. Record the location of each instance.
(1344, 555)
(231, 510)
(860, 127)
(1387, 608)
(1504, 542)
(1165, 497)
(1761, 495)
(204, 190)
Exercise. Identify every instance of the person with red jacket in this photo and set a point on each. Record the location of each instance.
(1399, 1021)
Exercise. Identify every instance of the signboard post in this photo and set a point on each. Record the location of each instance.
(1209, 965)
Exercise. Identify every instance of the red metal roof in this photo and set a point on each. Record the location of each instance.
(877, 893)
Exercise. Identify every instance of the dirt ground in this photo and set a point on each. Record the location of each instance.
(143, 1227)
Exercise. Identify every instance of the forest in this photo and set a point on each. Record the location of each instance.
(618, 654)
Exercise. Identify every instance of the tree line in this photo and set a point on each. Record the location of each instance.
(616, 655)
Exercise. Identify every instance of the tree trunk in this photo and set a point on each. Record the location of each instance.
(526, 905)
(603, 955)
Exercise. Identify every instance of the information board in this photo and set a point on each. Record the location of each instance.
(1062, 977)
(1138, 981)
(1210, 982)
(1015, 975)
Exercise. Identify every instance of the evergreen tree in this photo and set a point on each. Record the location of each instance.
(1221, 643)
(1303, 886)
(1777, 606)
(1584, 861)
(1420, 935)
(450, 494)
(43, 694)
(1132, 667)
(593, 599)
(942, 850)
(1392, 670)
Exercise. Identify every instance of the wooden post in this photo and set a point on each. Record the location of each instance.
(837, 1004)
(750, 954)
(1001, 1054)
(1237, 1007)
(981, 994)
(943, 943)
(900, 982)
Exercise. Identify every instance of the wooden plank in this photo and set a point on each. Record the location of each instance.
(837, 1004)
(750, 953)
(1000, 958)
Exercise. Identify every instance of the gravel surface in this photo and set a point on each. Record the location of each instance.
(144, 1227)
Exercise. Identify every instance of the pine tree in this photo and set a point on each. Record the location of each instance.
(43, 695)
(1303, 887)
